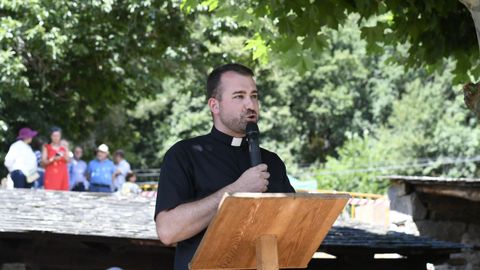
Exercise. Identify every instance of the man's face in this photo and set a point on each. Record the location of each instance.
(101, 155)
(78, 153)
(238, 104)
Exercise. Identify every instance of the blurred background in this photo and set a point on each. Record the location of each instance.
(350, 90)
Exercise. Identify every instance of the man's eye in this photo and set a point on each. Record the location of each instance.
(255, 96)
(237, 97)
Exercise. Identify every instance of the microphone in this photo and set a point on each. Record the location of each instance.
(253, 135)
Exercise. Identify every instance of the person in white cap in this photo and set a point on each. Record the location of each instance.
(20, 160)
(100, 171)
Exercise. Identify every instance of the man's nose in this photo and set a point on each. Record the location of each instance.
(249, 103)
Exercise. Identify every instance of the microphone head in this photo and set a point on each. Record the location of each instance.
(252, 129)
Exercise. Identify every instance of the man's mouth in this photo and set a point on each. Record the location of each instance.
(251, 117)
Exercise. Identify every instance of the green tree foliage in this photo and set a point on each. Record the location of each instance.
(70, 63)
(179, 110)
(350, 115)
(296, 30)
(430, 121)
(177, 113)
(347, 91)
(132, 74)
(356, 168)
(428, 132)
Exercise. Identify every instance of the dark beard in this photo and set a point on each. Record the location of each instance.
(238, 125)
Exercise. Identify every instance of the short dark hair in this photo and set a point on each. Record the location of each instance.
(120, 153)
(130, 175)
(213, 80)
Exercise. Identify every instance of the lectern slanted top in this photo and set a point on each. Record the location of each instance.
(299, 222)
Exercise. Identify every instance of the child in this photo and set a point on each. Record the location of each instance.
(129, 187)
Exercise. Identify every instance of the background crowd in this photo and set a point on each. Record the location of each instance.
(53, 166)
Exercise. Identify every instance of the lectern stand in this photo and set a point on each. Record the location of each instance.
(267, 231)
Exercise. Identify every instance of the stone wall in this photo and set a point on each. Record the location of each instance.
(439, 217)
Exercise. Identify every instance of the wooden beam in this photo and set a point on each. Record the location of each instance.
(267, 252)
(471, 194)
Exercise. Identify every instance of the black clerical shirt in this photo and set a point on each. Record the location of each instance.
(195, 168)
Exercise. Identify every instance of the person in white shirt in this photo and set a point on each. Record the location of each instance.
(78, 171)
(123, 167)
(21, 161)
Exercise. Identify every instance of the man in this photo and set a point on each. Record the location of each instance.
(197, 172)
(78, 170)
(100, 171)
(21, 161)
(123, 167)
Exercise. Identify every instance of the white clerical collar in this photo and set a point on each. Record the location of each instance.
(236, 141)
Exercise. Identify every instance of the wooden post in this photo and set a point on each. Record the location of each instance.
(267, 252)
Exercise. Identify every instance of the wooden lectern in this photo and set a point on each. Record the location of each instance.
(267, 231)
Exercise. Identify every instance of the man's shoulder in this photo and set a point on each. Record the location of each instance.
(96, 162)
(124, 163)
(186, 144)
(194, 140)
(270, 155)
(271, 158)
(93, 163)
(108, 164)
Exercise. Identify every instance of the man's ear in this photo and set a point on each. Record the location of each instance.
(213, 105)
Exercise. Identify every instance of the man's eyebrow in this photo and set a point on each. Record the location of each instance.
(244, 92)
(239, 92)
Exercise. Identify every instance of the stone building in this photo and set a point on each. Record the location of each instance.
(442, 208)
